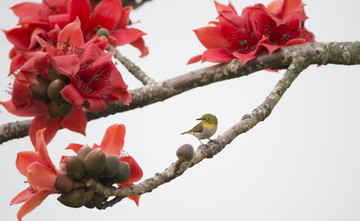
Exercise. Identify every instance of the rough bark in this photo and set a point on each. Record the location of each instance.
(342, 53)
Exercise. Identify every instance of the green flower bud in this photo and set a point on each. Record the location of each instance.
(75, 198)
(39, 89)
(96, 200)
(53, 91)
(112, 166)
(83, 152)
(103, 32)
(75, 167)
(185, 152)
(63, 183)
(95, 162)
(58, 108)
(53, 75)
(123, 173)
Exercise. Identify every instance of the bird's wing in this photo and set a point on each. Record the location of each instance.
(198, 128)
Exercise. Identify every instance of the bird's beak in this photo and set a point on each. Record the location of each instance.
(199, 119)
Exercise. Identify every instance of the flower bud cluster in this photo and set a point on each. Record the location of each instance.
(89, 164)
(48, 89)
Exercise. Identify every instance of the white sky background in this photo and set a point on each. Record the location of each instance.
(302, 163)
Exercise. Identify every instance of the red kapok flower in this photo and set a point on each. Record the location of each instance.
(46, 19)
(112, 144)
(110, 15)
(257, 29)
(35, 19)
(56, 83)
(41, 175)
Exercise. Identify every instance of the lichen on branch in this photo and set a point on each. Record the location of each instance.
(341, 53)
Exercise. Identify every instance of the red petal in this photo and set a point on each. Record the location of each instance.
(59, 20)
(124, 95)
(41, 148)
(75, 121)
(90, 54)
(271, 48)
(30, 22)
(51, 124)
(70, 38)
(195, 59)
(74, 146)
(21, 95)
(124, 20)
(220, 8)
(135, 198)
(227, 27)
(47, 47)
(66, 64)
(105, 15)
(96, 104)
(140, 44)
(19, 37)
(35, 66)
(37, 109)
(261, 21)
(33, 39)
(32, 203)
(217, 55)
(274, 6)
(244, 58)
(16, 62)
(118, 87)
(81, 9)
(136, 172)
(41, 177)
(24, 159)
(210, 37)
(29, 9)
(63, 160)
(101, 42)
(23, 196)
(127, 35)
(290, 7)
(295, 42)
(113, 140)
(72, 95)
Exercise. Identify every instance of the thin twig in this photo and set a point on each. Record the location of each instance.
(132, 68)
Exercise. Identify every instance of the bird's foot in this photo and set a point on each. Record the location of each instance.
(214, 141)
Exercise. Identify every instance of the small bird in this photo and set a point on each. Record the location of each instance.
(205, 129)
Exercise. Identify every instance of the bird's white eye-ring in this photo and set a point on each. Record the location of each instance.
(206, 119)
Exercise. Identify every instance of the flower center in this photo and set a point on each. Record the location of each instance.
(92, 81)
(242, 41)
(282, 34)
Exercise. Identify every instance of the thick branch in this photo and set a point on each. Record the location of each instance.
(212, 148)
(345, 53)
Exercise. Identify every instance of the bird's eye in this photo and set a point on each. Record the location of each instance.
(206, 119)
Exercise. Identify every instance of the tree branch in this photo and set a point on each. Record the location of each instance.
(345, 53)
(248, 121)
(132, 68)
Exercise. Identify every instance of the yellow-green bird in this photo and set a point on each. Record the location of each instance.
(206, 128)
